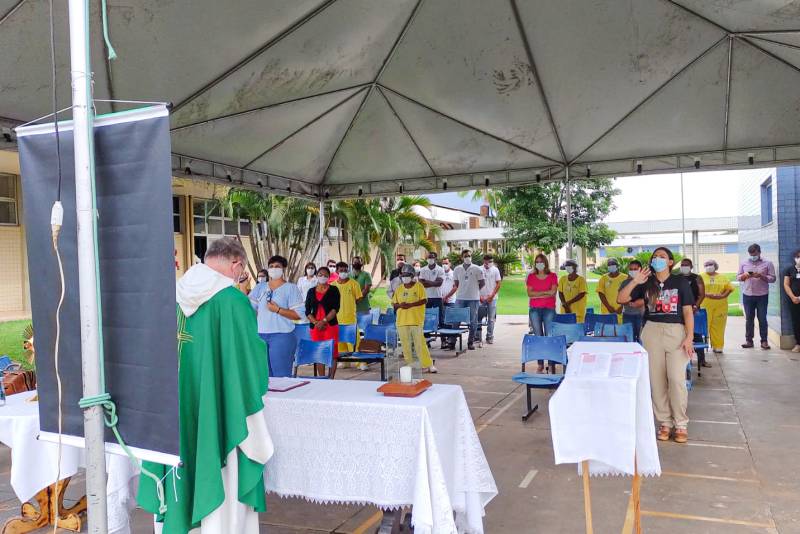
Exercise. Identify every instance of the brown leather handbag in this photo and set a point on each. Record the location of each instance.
(17, 380)
(370, 346)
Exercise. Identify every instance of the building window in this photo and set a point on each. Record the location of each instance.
(209, 220)
(766, 202)
(8, 199)
(177, 214)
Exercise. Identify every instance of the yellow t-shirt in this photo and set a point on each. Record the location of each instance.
(412, 316)
(349, 292)
(610, 288)
(715, 285)
(571, 289)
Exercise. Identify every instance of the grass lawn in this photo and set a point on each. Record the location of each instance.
(11, 339)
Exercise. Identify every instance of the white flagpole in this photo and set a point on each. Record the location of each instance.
(82, 114)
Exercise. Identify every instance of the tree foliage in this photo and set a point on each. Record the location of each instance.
(536, 216)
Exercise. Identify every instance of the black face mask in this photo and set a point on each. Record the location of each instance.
(357, 266)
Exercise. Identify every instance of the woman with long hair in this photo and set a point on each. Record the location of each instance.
(668, 338)
(322, 305)
(542, 288)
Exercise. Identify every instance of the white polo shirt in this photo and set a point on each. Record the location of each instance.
(430, 275)
(468, 287)
(492, 277)
(447, 286)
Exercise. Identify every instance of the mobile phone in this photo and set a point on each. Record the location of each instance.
(751, 273)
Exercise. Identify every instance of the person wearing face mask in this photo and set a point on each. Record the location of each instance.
(542, 287)
(278, 304)
(364, 282)
(448, 299)
(488, 306)
(633, 312)
(431, 277)
(394, 275)
(332, 269)
(322, 306)
(699, 291)
(608, 288)
(349, 295)
(468, 280)
(222, 378)
(668, 338)
(717, 290)
(791, 285)
(755, 274)
(306, 282)
(572, 291)
(409, 304)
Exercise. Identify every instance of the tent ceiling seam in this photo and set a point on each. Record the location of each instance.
(471, 127)
(378, 74)
(253, 55)
(408, 133)
(777, 43)
(268, 106)
(652, 94)
(303, 127)
(770, 54)
(11, 11)
(535, 71)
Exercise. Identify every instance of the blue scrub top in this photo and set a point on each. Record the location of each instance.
(286, 296)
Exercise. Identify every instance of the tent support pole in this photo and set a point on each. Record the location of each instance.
(570, 237)
(322, 257)
(88, 287)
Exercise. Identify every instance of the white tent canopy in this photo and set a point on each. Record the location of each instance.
(339, 97)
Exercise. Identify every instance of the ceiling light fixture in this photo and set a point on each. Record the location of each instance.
(638, 167)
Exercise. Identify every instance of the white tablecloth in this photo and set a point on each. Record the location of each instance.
(343, 442)
(34, 462)
(608, 421)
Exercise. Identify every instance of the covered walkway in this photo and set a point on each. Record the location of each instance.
(738, 474)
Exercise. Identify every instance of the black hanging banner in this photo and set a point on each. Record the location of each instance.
(137, 276)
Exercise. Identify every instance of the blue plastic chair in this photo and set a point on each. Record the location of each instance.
(592, 339)
(387, 318)
(603, 330)
(301, 331)
(553, 349)
(566, 318)
(431, 323)
(348, 333)
(364, 320)
(689, 381)
(454, 318)
(603, 318)
(373, 332)
(312, 353)
(590, 311)
(5, 361)
(572, 332)
(701, 329)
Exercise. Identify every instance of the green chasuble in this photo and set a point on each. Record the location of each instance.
(222, 379)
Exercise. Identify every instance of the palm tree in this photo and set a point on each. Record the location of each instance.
(488, 197)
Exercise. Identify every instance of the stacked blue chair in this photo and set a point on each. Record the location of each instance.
(312, 353)
(573, 332)
(348, 333)
(701, 334)
(431, 324)
(454, 319)
(387, 318)
(553, 349)
(364, 320)
(594, 318)
(566, 318)
(373, 332)
(604, 330)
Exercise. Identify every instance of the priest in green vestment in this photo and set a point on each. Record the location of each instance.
(222, 378)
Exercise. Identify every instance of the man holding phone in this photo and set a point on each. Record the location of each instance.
(755, 274)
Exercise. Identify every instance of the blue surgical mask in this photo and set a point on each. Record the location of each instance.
(659, 265)
(613, 268)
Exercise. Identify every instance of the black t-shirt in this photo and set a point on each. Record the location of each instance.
(694, 285)
(675, 294)
(794, 279)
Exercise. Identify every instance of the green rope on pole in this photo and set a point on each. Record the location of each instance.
(112, 54)
(111, 418)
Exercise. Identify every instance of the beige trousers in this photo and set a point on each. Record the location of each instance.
(662, 341)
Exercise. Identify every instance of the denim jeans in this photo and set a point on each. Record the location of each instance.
(473, 317)
(541, 319)
(755, 306)
(280, 352)
(488, 310)
(635, 319)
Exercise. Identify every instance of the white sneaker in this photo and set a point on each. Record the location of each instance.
(796, 348)
(433, 369)
(363, 366)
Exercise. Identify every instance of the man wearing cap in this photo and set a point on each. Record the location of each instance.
(608, 288)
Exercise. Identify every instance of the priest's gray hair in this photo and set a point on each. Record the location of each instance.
(229, 248)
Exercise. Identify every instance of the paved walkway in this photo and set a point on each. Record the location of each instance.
(740, 472)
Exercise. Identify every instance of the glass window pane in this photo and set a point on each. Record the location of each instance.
(176, 224)
(244, 227)
(215, 226)
(176, 205)
(213, 208)
(8, 212)
(230, 227)
(199, 225)
(199, 207)
(7, 186)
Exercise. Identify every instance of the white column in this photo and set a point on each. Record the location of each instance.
(570, 237)
(88, 286)
(322, 254)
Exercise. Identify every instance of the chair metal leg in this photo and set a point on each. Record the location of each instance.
(460, 350)
(383, 371)
(531, 409)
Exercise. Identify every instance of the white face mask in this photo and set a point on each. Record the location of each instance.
(310, 271)
(797, 260)
(406, 279)
(275, 273)
(710, 269)
(344, 276)
(467, 260)
(261, 279)
(446, 267)
(613, 268)
(431, 262)
(322, 280)
(540, 266)
(754, 258)
(570, 269)
(685, 269)
(633, 272)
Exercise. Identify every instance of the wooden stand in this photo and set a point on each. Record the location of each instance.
(49, 509)
(635, 499)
